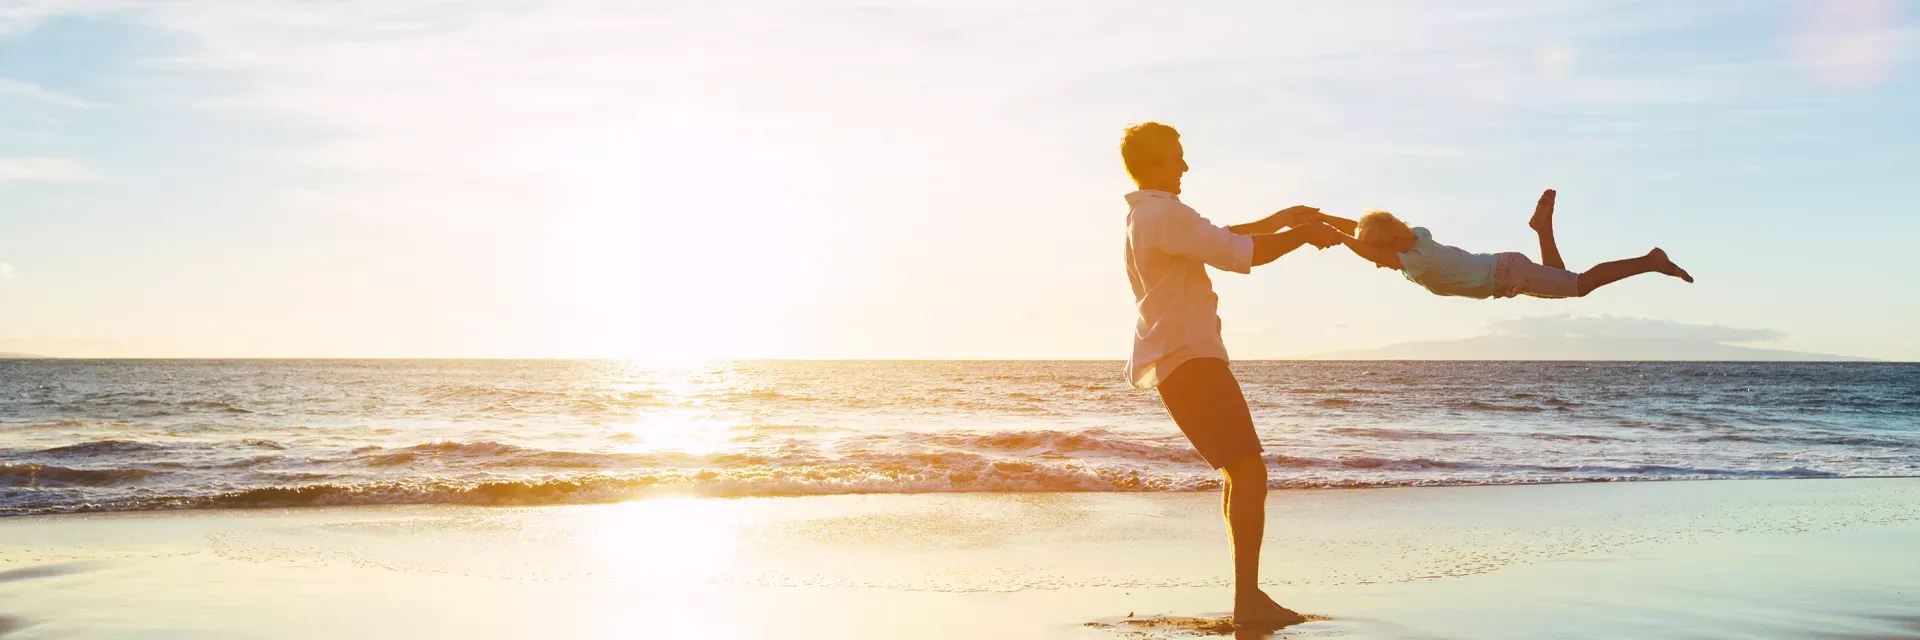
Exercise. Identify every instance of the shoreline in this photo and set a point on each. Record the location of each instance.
(1600, 560)
(724, 496)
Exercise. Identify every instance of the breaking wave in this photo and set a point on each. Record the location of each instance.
(94, 436)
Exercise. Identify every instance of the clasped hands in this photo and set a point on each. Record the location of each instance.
(1309, 221)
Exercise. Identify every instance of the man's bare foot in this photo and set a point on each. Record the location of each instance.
(1257, 610)
(1666, 266)
(1542, 220)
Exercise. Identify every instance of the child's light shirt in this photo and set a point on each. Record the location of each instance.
(1448, 271)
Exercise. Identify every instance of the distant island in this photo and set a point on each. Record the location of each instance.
(1563, 337)
(19, 356)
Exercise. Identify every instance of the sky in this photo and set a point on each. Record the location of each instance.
(797, 179)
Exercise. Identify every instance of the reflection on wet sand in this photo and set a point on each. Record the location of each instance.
(1154, 626)
(10, 624)
(1817, 560)
(43, 571)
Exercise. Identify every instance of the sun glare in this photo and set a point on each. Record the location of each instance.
(659, 552)
(683, 420)
(686, 430)
(665, 541)
(673, 241)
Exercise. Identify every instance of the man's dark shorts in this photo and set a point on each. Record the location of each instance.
(1206, 402)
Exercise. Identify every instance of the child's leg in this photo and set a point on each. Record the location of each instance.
(1607, 273)
(1542, 223)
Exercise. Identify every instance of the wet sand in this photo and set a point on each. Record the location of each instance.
(1828, 559)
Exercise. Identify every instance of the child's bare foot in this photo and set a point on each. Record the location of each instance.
(1256, 610)
(1542, 220)
(1666, 266)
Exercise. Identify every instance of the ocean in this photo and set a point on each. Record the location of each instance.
(106, 435)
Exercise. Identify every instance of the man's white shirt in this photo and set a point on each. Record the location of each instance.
(1168, 249)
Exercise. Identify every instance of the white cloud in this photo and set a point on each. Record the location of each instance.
(509, 114)
(439, 103)
(1606, 326)
(44, 170)
(42, 95)
(21, 15)
(6, 271)
(1849, 45)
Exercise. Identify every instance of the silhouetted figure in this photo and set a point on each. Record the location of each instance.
(1176, 343)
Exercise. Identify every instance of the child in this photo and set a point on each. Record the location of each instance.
(1451, 271)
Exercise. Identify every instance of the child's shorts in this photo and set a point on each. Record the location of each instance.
(1515, 274)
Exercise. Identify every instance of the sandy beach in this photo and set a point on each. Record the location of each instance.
(870, 320)
(1743, 559)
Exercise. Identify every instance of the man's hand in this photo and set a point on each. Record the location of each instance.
(1270, 246)
(1293, 216)
(1287, 218)
(1320, 235)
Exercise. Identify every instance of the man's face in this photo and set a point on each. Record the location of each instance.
(1174, 164)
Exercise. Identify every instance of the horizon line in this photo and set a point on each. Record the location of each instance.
(25, 357)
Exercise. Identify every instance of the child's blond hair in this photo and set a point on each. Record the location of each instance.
(1382, 228)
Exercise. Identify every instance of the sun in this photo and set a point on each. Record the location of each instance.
(674, 242)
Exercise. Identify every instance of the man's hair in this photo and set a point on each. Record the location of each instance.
(1378, 227)
(1143, 145)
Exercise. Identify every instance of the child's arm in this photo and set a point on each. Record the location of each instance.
(1345, 226)
(1374, 253)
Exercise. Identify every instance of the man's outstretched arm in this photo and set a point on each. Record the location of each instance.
(1293, 216)
(1268, 248)
(1182, 232)
(1345, 226)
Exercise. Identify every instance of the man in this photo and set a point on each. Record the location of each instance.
(1176, 343)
